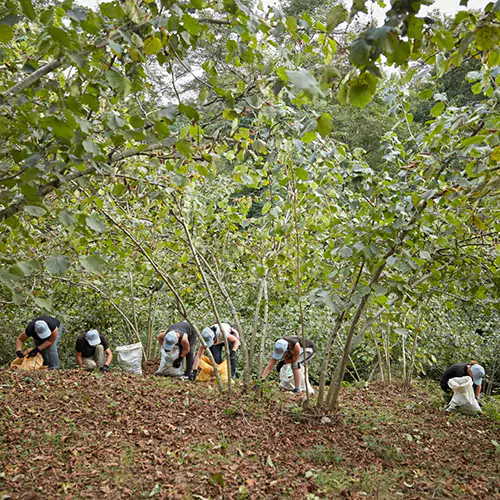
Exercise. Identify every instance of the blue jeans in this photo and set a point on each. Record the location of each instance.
(50, 355)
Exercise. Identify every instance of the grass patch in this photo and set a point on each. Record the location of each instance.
(321, 454)
(382, 448)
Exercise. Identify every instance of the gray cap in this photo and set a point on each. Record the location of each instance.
(170, 340)
(42, 329)
(93, 337)
(279, 349)
(208, 336)
(477, 374)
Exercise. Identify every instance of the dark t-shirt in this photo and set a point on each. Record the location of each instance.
(52, 323)
(85, 348)
(297, 340)
(456, 370)
(183, 327)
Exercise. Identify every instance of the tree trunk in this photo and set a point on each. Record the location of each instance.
(264, 329)
(255, 324)
(334, 391)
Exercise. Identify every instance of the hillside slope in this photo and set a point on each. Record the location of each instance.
(76, 435)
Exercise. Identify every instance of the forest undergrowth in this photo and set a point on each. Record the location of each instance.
(75, 435)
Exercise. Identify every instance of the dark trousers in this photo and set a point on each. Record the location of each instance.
(217, 354)
(189, 356)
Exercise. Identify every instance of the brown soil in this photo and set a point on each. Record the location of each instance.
(75, 435)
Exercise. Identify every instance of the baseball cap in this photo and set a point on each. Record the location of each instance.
(42, 329)
(477, 374)
(93, 337)
(170, 340)
(279, 349)
(208, 336)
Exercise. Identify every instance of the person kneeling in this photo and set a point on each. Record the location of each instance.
(93, 352)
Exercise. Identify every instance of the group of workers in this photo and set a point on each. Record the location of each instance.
(93, 351)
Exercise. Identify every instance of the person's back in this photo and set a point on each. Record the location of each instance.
(456, 370)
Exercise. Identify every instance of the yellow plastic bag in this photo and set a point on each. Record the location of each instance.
(206, 371)
(26, 364)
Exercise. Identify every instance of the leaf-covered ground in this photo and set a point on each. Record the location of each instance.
(75, 435)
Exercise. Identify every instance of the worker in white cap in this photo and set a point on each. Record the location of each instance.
(45, 332)
(182, 335)
(93, 352)
(289, 350)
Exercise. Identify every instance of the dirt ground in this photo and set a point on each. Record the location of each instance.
(75, 435)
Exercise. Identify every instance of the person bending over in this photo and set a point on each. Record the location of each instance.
(182, 335)
(45, 332)
(289, 350)
(474, 370)
(214, 338)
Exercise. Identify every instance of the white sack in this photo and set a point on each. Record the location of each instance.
(130, 358)
(463, 400)
(287, 382)
(166, 369)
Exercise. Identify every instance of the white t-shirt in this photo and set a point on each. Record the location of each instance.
(219, 336)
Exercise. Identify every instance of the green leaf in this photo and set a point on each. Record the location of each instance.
(478, 222)
(60, 36)
(152, 45)
(57, 264)
(192, 25)
(118, 82)
(94, 223)
(189, 111)
(93, 264)
(91, 147)
(203, 95)
(35, 210)
(303, 80)
(336, 16)
(44, 304)
(28, 9)
(184, 148)
(6, 33)
(67, 218)
(62, 130)
(437, 109)
(359, 52)
(325, 124)
(425, 94)
(301, 174)
(265, 208)
(112, 10)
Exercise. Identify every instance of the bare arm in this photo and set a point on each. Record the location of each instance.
(21, 340)
(198, 356)
(269, 368)
(234, 340)
(50, 340)
(109, 356)
(295, 354)
(79, 359)
(186, 347)
(161, 337)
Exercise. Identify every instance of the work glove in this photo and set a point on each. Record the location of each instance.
(177, 363)
(279, 366)
(33, 352)
(296, 390)
(20, 354)
(192, 376)
(105, 369)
